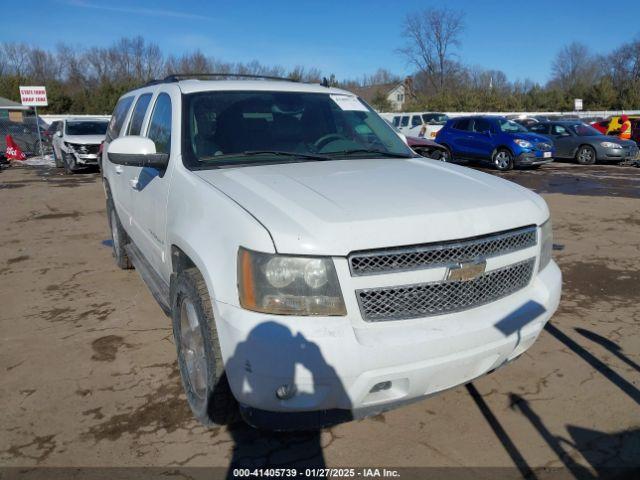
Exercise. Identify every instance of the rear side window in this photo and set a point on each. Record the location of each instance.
(559, 130)
(463, 124)
(482, 125)
(396, 121)
(416, 120)
(118, 117)
(135, 125)
(404, 122)
(160, 124)
(539, 128)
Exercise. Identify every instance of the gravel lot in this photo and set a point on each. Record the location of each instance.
(89, 375)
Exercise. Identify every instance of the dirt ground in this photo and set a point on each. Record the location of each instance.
(88, 365)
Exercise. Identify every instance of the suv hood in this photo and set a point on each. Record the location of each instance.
(336, 207)
(84, 139)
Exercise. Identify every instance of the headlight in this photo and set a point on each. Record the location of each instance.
(610, 145)
(546, 244)
(523, 143)
(288, 285)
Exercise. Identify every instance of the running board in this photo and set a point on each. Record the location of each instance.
(159, 289)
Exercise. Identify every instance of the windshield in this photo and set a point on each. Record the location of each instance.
(232, 128)
(508, 126)
(435, 118)
(584, 130)
(86, 128)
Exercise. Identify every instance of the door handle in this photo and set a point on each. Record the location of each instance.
(134, 183)
(118, 169)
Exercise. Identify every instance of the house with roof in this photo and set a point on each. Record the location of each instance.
(12, 111)
(396, 94)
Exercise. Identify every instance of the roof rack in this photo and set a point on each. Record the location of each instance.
(176, 77)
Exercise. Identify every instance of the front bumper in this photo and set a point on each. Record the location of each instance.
(532, 158)
(340, 370)
(618, 154)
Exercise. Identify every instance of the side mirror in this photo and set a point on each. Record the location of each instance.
(135, 151)
(58, 134)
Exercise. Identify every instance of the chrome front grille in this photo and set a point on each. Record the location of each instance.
(438, 298)
(441, 254)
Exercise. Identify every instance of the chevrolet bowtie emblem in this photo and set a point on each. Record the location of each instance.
(466, 271)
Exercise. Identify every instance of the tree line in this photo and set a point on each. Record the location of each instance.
(90, 80)
(433, 38)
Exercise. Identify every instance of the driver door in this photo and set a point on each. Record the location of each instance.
(563, 140)
(150, 187)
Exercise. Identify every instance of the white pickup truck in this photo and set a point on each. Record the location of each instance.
(316, 269)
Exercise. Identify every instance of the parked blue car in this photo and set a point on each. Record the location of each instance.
(494, 139)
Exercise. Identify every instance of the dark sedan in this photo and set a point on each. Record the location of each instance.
(574, 139)
(427, 148)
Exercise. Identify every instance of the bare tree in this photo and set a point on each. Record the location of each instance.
(431, 36)
(574, 65)
(17, 56)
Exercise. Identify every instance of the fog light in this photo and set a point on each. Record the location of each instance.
(378, 387)
(285, 392)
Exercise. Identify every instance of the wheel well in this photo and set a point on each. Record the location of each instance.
(575, 152)
(179, 260)
(502, 147)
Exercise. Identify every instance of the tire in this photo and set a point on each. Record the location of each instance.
(502, 159)
(69, 169)
(119, 238)
(444, 155)
(57, 160)
(199, 356)
(586, 155)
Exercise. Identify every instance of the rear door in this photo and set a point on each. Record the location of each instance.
(459, 137)
(481, 139)
(150, 186)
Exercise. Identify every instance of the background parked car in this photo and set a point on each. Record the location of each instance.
(602, 126)
(526, 122)
(416, 124)
(76, 143)
(574, 139)
(427, 148)
(494, 139)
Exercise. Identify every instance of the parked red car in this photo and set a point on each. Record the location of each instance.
(602, 126)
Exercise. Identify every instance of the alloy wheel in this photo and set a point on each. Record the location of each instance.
(192, 347)
(502, 160)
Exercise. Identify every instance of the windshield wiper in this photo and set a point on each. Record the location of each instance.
(308, 156)
(279, 153)
(368, 150)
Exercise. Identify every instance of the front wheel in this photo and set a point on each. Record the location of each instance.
(199, 355)
(503, 160)
(69, 164)
(57, 159)
(586, 155)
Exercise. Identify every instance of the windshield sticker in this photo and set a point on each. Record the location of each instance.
(349, 102)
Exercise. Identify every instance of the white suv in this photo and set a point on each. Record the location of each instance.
(315, 269)
(76, 142)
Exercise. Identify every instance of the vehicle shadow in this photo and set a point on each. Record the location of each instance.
(613, 347)
(611, 455)
(300, 365)
(517, 458)
(624, 385)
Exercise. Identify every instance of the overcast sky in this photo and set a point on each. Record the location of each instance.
(348, 38)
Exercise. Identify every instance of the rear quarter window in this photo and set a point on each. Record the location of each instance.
(118, 117)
